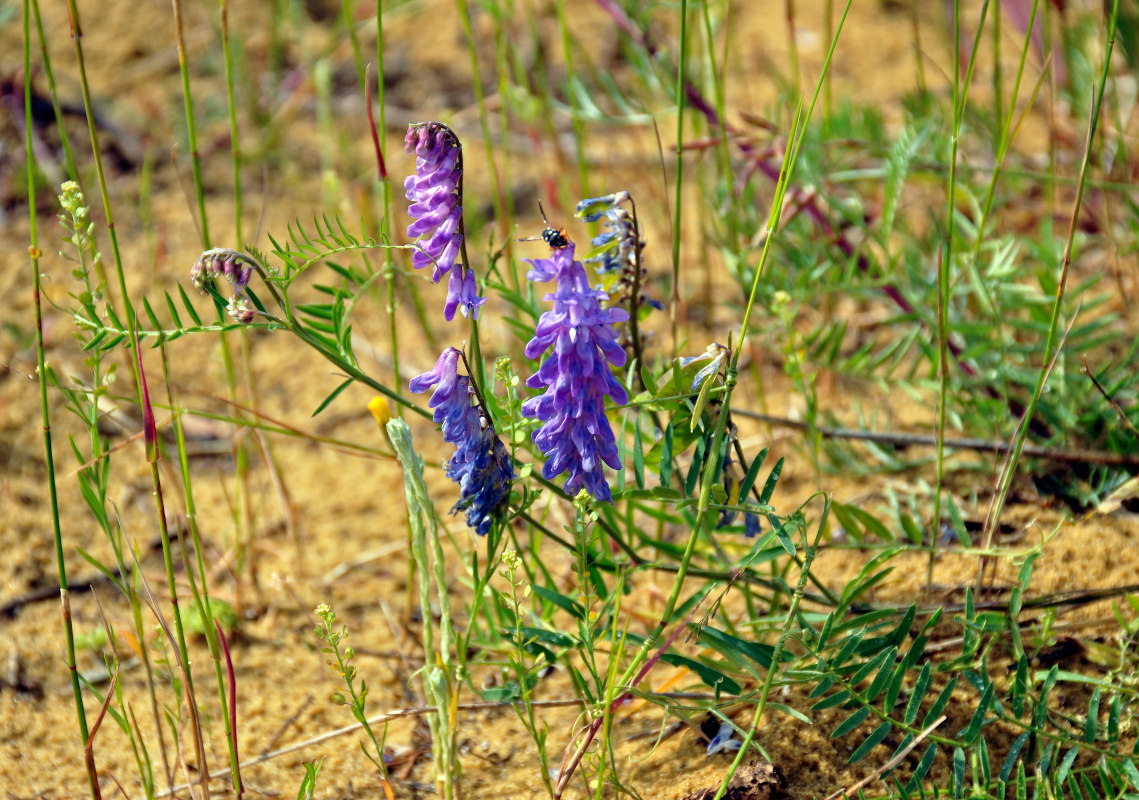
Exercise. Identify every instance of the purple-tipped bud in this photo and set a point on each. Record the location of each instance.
(576, 436)
(235, 267)
(243, 278)
(198, 275)
(436, 212)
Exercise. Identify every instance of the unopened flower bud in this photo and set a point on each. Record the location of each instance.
(241, 309)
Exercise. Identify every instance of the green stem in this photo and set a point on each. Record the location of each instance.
(578, 123)
(191, 130)
(677, 211)
(93, 134)
(945, 255)
(34, 255)
(202, 594)
(64, 139)
(484, 120)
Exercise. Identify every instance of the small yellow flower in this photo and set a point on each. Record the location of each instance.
(379, 408)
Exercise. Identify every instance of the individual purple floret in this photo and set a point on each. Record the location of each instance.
(480, 465)
(462, 293)
(575, 436)
(724, 741)
(435, 195)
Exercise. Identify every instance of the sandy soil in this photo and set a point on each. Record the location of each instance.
(337, 536)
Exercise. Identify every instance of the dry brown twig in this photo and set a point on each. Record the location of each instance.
(889, 765)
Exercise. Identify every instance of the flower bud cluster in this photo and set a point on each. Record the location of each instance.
(436, 196)
(620, 259)
(480, 465)
(222, 263)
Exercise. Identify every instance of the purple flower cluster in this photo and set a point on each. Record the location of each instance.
(435, 195)
(575, 436)
(480, 465)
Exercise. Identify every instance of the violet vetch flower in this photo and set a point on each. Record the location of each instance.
(576, 436)
(480, 465)
(434, 192)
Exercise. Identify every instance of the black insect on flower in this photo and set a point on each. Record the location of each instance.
(556, 238)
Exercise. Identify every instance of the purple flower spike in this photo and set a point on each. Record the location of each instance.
(435, 208)
(576, 436)
(480, 465)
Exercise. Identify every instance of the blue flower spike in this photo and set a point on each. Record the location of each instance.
(480, 465)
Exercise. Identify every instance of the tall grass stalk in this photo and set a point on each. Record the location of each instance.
(34, 255)
(719, 98)
(191, 127)
(200, 593)
(572, 92)
(150, 432)
(792, 46)
(503, 42)
(234, 131)
(64, 138)
(243, 514)
(678, 189)
(945, 256)
(389, 269)
(1004, 483)
(97, 158)
(791, 153)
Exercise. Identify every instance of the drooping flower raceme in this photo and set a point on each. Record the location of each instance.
(480, 465)
(575, 435)
(435, 195)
